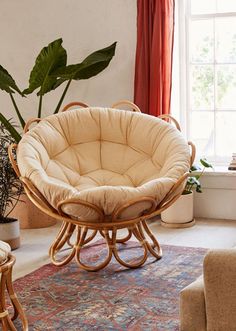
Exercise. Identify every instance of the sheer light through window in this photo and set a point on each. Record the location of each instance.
(211, 72)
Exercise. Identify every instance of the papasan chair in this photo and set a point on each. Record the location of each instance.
(99, 171)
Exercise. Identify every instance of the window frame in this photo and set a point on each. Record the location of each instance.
(183, 19)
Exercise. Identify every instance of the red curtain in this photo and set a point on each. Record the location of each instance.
(153, 68)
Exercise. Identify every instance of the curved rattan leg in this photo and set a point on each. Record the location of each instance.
(155, 248)
(123, 240)
(91, 237)
(5, 319)
(65, 234)
(63, 237)
(120, 240)
(18, 310)
(135, 231)
(80, 245)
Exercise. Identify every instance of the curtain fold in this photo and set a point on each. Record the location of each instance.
(153, 67)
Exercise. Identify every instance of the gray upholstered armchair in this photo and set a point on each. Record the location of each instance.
(209, 303)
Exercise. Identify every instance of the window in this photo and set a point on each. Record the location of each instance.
(207, 35)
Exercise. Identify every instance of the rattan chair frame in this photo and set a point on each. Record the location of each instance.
(108, 227)
(6, 321)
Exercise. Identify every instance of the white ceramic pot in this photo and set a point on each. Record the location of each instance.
(10, 233)
(180, 213)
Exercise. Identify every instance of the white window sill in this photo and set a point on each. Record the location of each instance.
(219, 178)
(220, 171)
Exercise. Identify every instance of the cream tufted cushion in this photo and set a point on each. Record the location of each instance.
(103, 156)
(5, 249)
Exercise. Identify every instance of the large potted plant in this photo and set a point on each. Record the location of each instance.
(180, 213)
(49, 72)
(10, 192)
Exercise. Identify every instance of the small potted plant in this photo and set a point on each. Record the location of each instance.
(10, 191)
(180, 214)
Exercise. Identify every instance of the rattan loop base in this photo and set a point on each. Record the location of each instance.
(140, 231)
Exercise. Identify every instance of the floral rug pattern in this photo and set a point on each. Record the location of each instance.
(113, 299)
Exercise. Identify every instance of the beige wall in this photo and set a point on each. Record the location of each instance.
(85, 25)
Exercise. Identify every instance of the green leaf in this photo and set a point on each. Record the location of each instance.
(7, 83)
(198, 189)
(205, 163)
(50, 59)
(194, 167)
(10, 128)
(91, 65)
(185, 192)
(193, 181)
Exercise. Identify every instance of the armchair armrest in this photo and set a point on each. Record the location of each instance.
(220, 289)
(192, 307)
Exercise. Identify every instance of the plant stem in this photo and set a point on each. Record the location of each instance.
(22, 122)
(40, 105)
(202, 172)
(62, 97)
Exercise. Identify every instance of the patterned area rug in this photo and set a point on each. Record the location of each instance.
(145, 299)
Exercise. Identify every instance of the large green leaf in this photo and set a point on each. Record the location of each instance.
(50, 59)
(7, 83)
(10, 128)
(205, 163)
(91, 65)
(195, 167)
